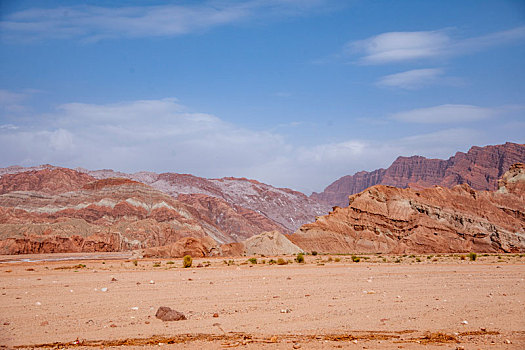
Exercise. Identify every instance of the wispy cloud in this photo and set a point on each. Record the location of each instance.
(394, 47)
(164, 135)
(92, 23)
(445, 114)
(412, 79)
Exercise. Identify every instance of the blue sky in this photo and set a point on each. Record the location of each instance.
(291, 93)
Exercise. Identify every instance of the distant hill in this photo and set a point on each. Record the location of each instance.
(480, 168)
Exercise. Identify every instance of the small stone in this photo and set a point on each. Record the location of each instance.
(507, 341)
(6, 323)
(38, 303)
(189, 279)
(216, 315)
(297, 346)
(285, 311)
(103, 289)
(464, 322)
(483, 329)
(138, 283)
(134, 308)
(113, 325)
(45, 323)
(273, 339)
(152, 282)
(147, 322)
(289, 278)
(167, 314)
(113, 279)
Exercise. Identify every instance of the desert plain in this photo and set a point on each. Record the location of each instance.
(381, 302)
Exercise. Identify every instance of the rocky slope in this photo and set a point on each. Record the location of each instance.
(287, 209)
(267, 244)
(39, 215)
(393, 220)
(480, 168)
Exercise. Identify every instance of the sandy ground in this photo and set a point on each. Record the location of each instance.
(318, 305)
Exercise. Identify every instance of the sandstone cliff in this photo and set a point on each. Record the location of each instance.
(480, 168)
(393, 220)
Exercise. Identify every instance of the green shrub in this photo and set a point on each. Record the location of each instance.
(300, 258)
(157, 264)
(384, 259)
(418, 260)
(337, 259)
(329, 259)
(397, 261)
(314, 253)
(170, 263)
(472, 256)
(281, 261)
(356, 259)
(462, 257)
(186, 261)
(253, 260)
(272, 262)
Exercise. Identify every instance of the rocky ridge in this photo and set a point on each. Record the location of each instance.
(111, 214)
(386, 219)
(480, 168)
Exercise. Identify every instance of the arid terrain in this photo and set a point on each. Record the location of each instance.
(381, 301)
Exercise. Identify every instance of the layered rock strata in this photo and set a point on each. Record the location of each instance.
(385, 219)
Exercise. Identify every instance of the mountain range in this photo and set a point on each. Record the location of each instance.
(480, 168)
(53, 209)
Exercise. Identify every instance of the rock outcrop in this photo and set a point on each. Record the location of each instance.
(385, 219)
(267, 243)
(270, 244)
(194, 247)
(480, 168)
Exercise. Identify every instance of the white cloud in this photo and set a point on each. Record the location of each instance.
(412, 79)
(164, 135)
(92, 23)
(394, 47)
(445, 114)
(400, 46)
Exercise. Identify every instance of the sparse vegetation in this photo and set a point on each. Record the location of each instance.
(187, 261)
(418, 260)
(314, 253)
(329, 259)
(272, 262)
(135, 262)
(397, 261)
(356, 259)
(170, 263)
(281, 261)
(156, 264)
(472, 256)
(300, 258)
(384, 259)
(252, 260)
(462, 257)
(337, 259)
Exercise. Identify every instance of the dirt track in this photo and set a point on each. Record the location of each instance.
(320, 304)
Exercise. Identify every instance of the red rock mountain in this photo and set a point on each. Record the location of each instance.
(480, 168)
(385, 219)
(38, 215)
(288, 209)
